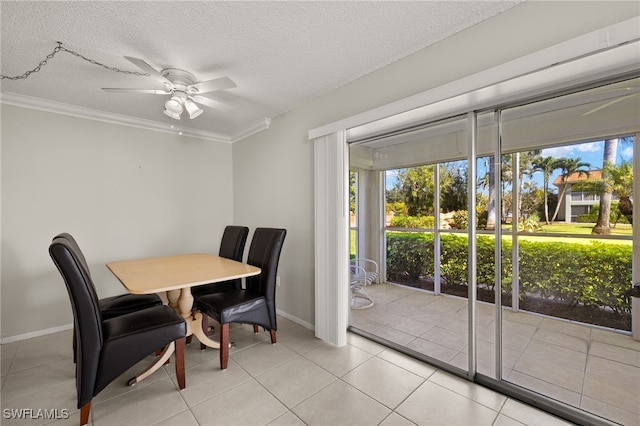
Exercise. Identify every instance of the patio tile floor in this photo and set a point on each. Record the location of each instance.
(588, 367)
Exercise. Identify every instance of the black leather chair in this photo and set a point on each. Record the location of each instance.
(106, 348)
(114, 306)
(257, 303)
(232, 245)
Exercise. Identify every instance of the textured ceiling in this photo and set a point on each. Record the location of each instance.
(280, 54)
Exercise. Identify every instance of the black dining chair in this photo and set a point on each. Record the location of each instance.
(256, 304)
(234, 239)
(106, 348)
(113, 306)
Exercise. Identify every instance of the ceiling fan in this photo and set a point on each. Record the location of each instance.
(185, 91)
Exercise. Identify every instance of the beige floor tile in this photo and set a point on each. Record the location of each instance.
(544, 388)
(558, 355)
(529, 415)
(60, 397)
(561, 339)
(160, 400)
(432, 404)
(395, 336)
(474, 392)
(395, 419)
(30, 354)
(618, 415)
(612, 392)
(303, 379)
(299, 340)
(411, 326)
(207, 380)
(287, 419)
(565, 327)
(262, 357)
(621, 373)
(446, 338)
(615, 353)
(547, 371)
(410, 364)
(8, 350)
(503, 420)
(365, 344)
(246, 404)
(341, 404)
(25, 382)
(338, 360)
(184, 418)
(521, 317)
(616, 339)
(433, 349)
(383, 381)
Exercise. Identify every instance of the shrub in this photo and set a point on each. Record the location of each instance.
(426, 222)
(596, 274)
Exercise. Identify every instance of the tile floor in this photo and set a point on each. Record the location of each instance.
(592, 368)
(301, 380)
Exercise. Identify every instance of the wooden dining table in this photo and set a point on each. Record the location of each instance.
(175, 275)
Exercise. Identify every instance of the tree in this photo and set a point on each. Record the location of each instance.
(569, 167)
(417, 189)
(546, 165)
(453, 181)
(603, 226)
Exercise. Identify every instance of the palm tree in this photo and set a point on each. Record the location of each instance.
(546, 165)
(604, 213)
(569, 167)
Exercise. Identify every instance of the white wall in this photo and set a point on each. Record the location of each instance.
(122, 192)
(126, 192)
(273, 170)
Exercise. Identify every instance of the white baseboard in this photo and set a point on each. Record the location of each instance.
(33, 334)
(65, 327)
(296, 320)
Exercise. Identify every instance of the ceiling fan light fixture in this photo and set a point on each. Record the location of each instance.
(192, 109)
(172, 114)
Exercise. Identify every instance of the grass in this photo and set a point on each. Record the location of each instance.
(562, 229)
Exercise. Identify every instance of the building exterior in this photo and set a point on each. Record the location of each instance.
(575, 203)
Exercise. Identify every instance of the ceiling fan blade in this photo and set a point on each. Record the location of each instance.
(211, 103)
(213, 85)
(149, 69)
(608, 104)
(153, 91)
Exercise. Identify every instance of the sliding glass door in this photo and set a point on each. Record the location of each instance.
(505, 244)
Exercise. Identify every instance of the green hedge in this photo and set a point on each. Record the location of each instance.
(427, 222)
(595, 274)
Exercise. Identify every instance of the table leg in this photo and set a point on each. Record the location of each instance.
(164, 356)
(184, 305)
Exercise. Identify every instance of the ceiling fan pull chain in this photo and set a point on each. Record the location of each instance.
(59, 48)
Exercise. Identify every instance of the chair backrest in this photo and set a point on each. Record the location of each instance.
(264, 253)
(233, 241)
(86, 313)
(74, 244)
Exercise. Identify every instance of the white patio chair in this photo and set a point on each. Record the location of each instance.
(359, 300)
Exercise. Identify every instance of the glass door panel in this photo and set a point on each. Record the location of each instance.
(567, 316)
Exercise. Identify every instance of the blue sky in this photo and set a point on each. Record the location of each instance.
(589, 152)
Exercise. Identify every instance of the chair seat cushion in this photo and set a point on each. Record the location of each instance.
(115, 306)
(235, 306)
(131, 337)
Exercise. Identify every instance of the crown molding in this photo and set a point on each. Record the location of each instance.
(124, 120)
(252, 129)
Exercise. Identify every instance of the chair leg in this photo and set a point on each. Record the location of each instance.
(224, 345)
(188, 339)
(180, 374)
(84, 413)
(273, 336)
(255, 328)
